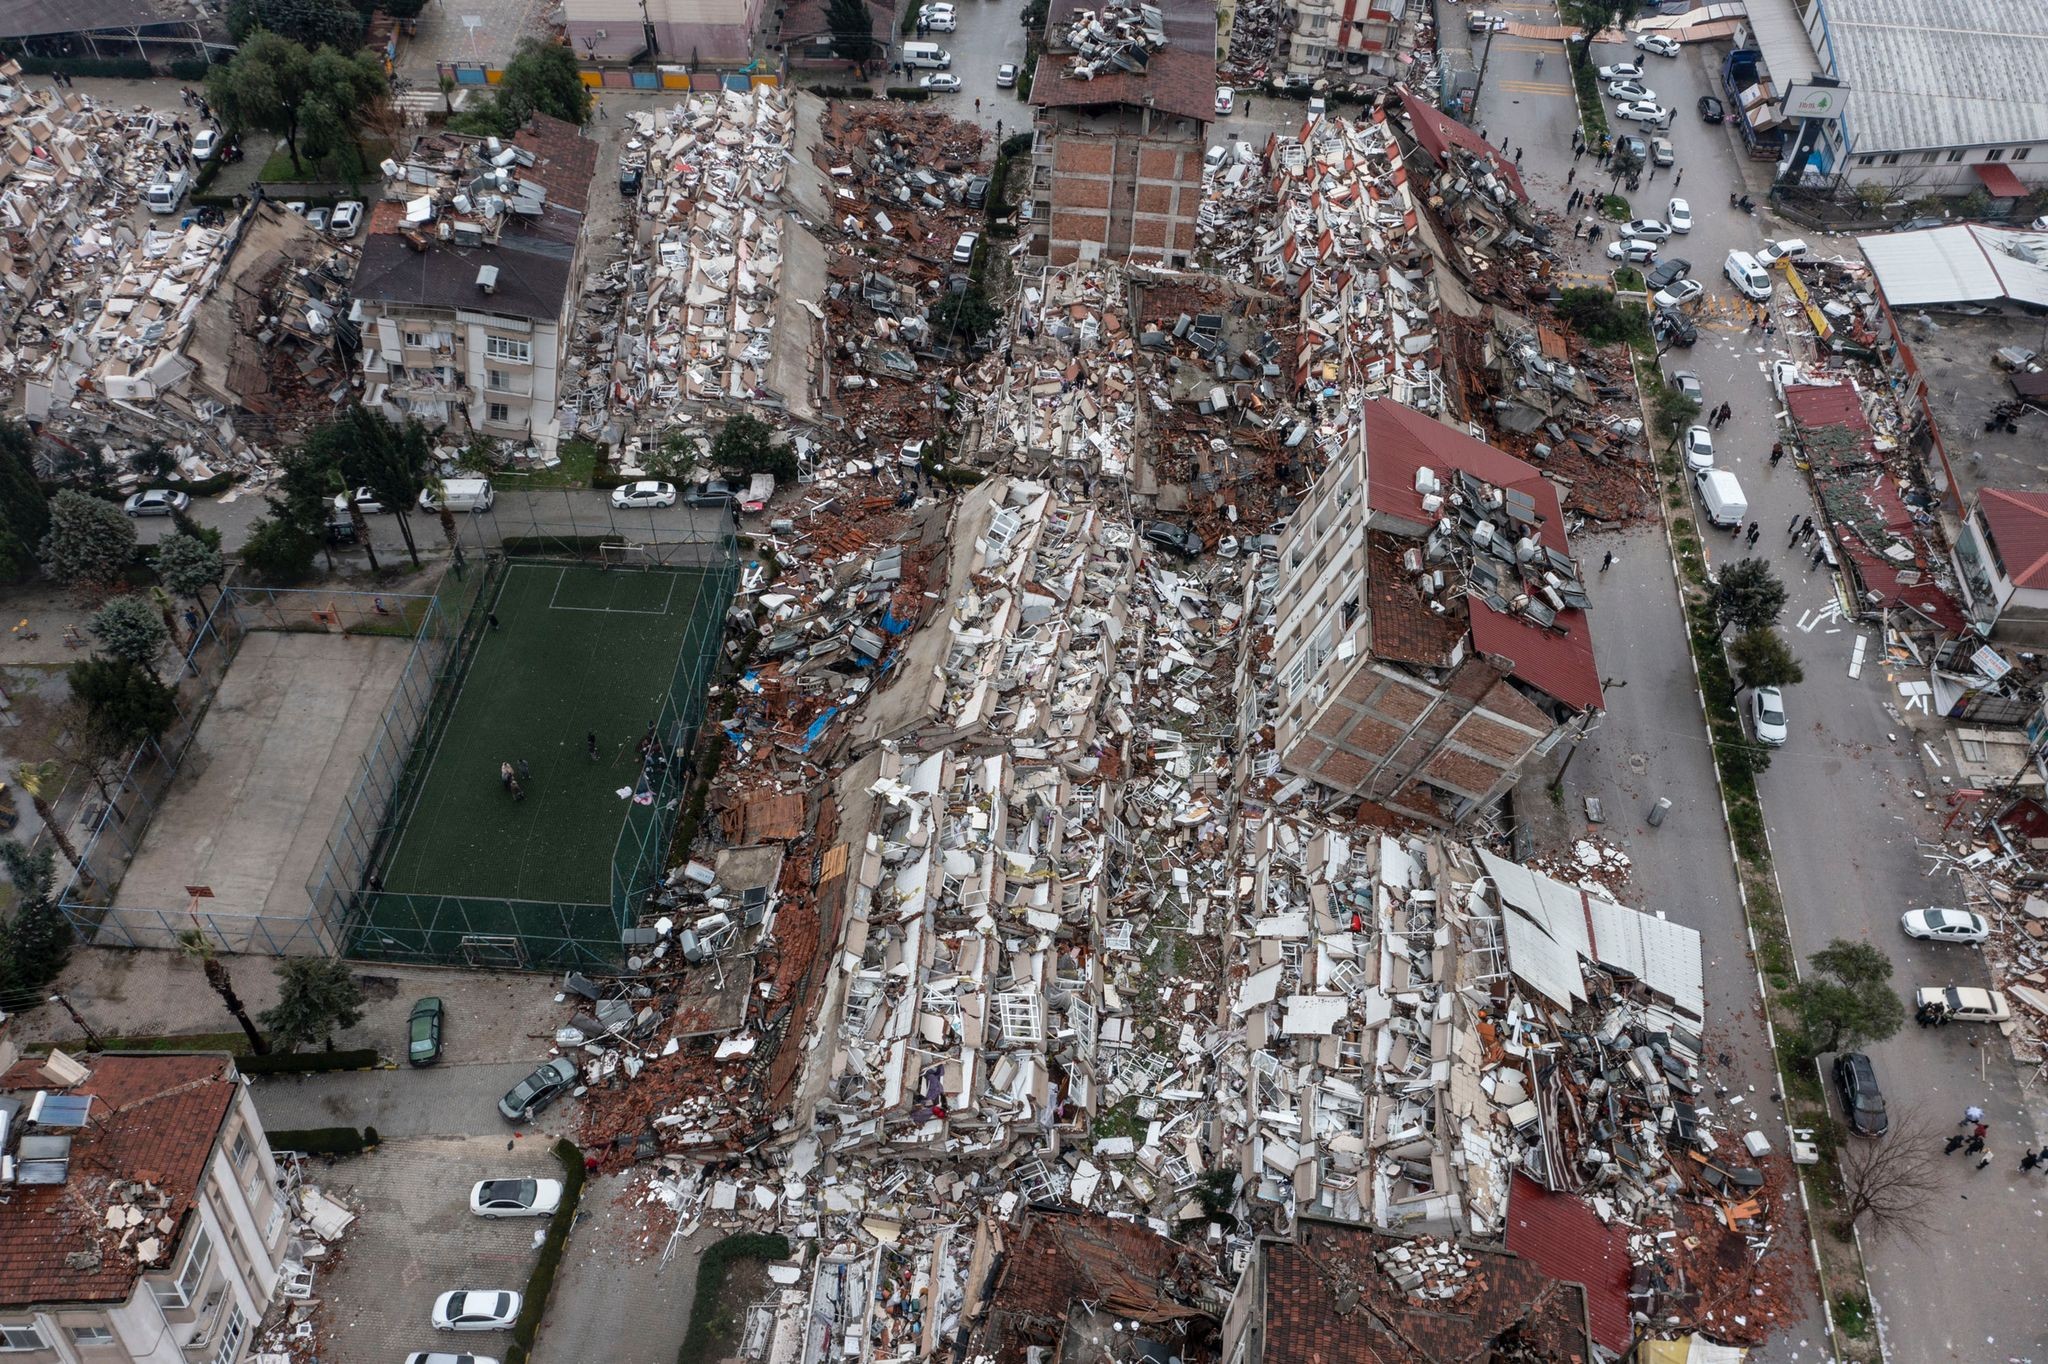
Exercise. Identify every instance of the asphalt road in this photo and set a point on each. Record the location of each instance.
(1651, 743)
(1839, 799)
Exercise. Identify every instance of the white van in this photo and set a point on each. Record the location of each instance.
(926, 54)
(1783, 247)
(1721, 498)
(463, 495)
(1748, 276)
(165, 195)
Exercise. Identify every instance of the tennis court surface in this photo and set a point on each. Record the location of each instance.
(576, 650)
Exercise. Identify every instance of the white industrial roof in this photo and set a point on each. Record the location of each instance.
(1663, 955)
(1552, 924)
(1940, 73)
(1968, 263)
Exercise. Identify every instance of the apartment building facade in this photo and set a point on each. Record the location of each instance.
(142, 1221)
(1354, 36)
(468, 282)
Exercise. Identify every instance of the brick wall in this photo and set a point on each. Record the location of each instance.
(1116, 194)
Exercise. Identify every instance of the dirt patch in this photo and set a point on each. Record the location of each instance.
(746, 1283)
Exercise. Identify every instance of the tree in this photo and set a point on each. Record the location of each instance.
(1889, 1185)
(122, 701)
(341, 90)
(316, 997)
(196, 946)
(90, 544)
(747, 446)
(1594, 313)
(677, 455)
(279, 551)
(1763, 659)
(853, 29)
(964, 316)
(129, 627)
(1674, 408)
(372, 451)
(264, 86)
(42, 781)
(1846, 999)
(37, 940)
(541, 78)
(188, 566)
(24, 510)
(1750, 596)
(309, 23)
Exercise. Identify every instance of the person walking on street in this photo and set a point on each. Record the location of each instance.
(1792, 528)
(1981, 1131)
(1777, 452)
(505, 775)
(1971, 1116)
(1820, 552)
(525, 772)
(1571, 175)
(2030, 1160)
(1973, 1146)
(1607, 562)
(1984, 1160)
(492, 618)
(1953, 1144)
(1678, 177)
(1754, 531)
(1806, 526)
(1518, 156)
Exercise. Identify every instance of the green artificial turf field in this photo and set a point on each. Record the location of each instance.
(577, 649)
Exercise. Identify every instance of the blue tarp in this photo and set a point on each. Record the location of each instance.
(817, 729)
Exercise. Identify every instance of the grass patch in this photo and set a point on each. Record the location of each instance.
(1614, 207)
(577, 467)
(706, 1323)
(278, 168)
(1852, 1314)
(1628, 279)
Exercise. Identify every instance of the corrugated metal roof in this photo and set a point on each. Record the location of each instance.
(1968, 263)
(1940, 73)
(1544, 965)
(1663, 955)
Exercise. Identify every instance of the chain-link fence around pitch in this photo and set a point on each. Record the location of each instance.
(570, 668)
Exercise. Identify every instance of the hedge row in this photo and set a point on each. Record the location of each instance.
(541, 1282)
(205, 487)
(711, 1272)
(305, 1062)
(907, 92)
(323, 1141)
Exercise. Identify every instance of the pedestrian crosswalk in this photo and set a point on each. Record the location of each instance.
(1536, 88)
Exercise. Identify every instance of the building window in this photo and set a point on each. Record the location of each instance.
(1891, 158)
(195, 1266)
(231, 1338)
(2019, 153)
(504, 348)
(498, 412)
(1995, 154)
(417, 340)
(91, 1335)
(241, 1151)
(497, 378)
(1930, 158)
(397, 372)
(276, 1220)
(21, 1336)
(1866, 160)
(1955, 156)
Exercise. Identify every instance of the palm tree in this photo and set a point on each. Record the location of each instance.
(43, 780)
(195, 944)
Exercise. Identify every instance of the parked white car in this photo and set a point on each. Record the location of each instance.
(1963, 1004)
(362, 497)
(941, 84)
(1642, 111)
(515, 1197)
(1699, 448)
(1678, 213)
(1657, 43)
(1630, 90)
(1634, 250)
(348, 218)
(156, 502)
(205, 144)
(476, 1309)
(648, 492)
(1767, 714)
(1646, 227)
(1747, 276)
(1226, 99)
(1945, 925)
(1678, 293)
(1622, 71)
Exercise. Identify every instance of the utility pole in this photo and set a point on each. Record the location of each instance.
(92, 1039)
(1480, 84)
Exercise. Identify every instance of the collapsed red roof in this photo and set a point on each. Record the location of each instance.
(1567, 1241)
(1436, 130)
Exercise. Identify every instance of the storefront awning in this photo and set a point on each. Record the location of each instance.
(1999, 179)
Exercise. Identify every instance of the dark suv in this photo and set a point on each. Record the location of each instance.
(712, 492)
(1862, 1100)
(1168, 536)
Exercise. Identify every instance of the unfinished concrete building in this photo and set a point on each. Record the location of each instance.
(700, 32)
(469, 280)
(1125, 96)
(1431, 629)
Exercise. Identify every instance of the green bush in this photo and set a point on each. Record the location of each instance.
(541, 1282)
(953, 476)
(323, 1141)
(1015, 145)
(190, 69)
(306, 1062)
(1601, 318)
(711, 1272)
(205, 487)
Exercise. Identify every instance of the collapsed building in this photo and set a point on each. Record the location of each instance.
(468, 282)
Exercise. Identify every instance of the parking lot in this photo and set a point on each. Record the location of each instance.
(415, 1239)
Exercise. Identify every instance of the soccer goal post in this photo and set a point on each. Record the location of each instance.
(624, 555)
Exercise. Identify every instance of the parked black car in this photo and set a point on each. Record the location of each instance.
(1862, 1100)
(629, 182)
(1666, 273)
(1168, 536)
(539, 1089)
(1711, 110)
(423, 1032)
(1674, 328)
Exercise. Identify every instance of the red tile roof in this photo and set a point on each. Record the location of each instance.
(1177, 82)
(1436, 130)
(1400, 440)
(1063, 1258)
(1561, 1234)
(2000, 181)
(2019, 522)
(1326, 1301)
(1817, 407)
(564, 160)
(154, 1120)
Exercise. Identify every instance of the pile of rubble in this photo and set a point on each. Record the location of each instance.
(319, 1222)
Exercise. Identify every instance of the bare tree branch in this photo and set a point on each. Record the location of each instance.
(1889, 1184)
